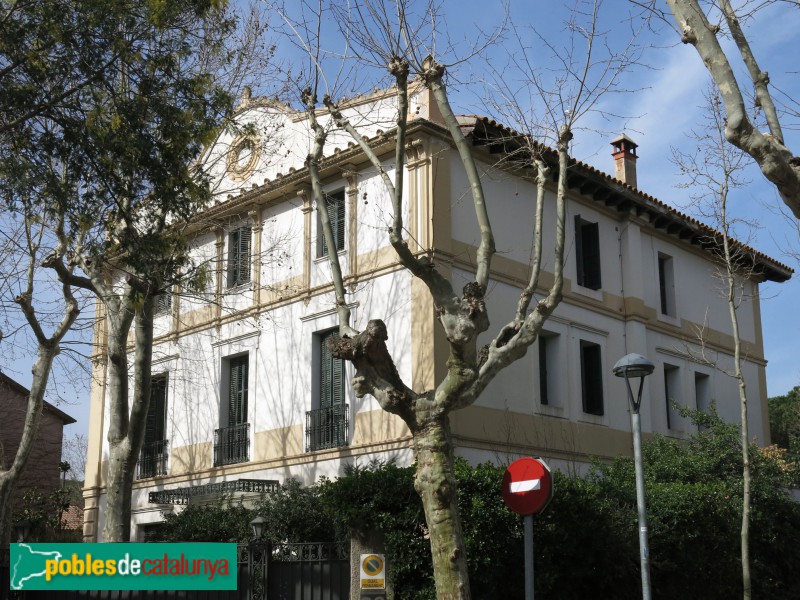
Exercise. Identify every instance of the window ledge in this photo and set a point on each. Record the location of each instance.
(550, 410)
(593, 419)
(588, 292)
(669, 319)
(320, 259)
(237, 289)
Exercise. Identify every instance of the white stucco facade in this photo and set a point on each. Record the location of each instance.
(276, 318)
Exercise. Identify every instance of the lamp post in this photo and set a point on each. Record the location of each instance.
(257, 525)
(633, 366)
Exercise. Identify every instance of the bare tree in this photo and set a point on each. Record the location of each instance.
(713, 171)
(74, 452)
(30, 242)
(698, 27)
(386, 35)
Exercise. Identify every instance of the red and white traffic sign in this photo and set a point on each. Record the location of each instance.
(527, 486)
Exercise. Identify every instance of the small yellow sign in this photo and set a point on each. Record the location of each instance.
(372, 572)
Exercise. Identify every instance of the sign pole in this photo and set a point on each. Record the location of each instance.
(528, 523)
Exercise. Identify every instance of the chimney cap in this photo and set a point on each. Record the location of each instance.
(623, 139)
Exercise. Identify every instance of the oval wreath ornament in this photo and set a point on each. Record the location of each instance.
(242, 158)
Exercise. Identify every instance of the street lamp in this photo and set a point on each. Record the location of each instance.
(257, 525)
(632, 366)
(23, 528)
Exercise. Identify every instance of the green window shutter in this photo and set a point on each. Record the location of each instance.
(237, 396)
(156, 421)
(245, 247)
(331, 375)
(163, 303)
(239, 249)
(335, 203)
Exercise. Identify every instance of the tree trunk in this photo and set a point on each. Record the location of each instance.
(436, 485)
(8, 479)
(120, 469)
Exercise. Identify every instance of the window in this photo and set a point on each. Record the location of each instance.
(327, 426)
(232, 442)
(335, 203)
(163, 304)
(237, 394)
(666, 284)
(671, 394)
(149, 532)
(239, 242)
(591, 378)
(155, 448)
(548, 369)
(702, 391)
(587, 253)
(543, 397)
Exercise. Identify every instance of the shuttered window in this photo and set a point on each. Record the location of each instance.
(335, 204)
(239, 246)
(156, 422)
(587, 253)
(543, 391)
(591, 378)
(331, 375)
(163, 303)
(237, 394)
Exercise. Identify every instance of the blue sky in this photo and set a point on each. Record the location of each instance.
(658, 117)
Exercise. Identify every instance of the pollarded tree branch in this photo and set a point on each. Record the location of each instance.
(506, 348)
(376, 373)
(776, 161)
(422, 268)
(313, 161)
(759, 77)
(432, 74)
(542, 175)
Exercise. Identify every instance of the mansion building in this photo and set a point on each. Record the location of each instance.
(246, 393)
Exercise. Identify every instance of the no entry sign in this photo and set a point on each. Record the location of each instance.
(527, 486)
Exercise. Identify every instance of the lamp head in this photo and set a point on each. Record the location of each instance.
(633, 365)
(257, 525)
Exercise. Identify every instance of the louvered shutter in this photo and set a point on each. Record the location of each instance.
(239, 249)
(331, 376)
(237, 409)
(326, 373)
(245, 239)
(335, 204)
(338, 229)
(155, 424)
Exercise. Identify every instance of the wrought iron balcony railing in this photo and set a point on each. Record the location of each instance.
(153, 460)
(232, 445)
(327, 427)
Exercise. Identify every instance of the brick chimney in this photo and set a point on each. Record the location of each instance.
(625, 159)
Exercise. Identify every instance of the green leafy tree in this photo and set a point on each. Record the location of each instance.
(115, 168)
(784, 420)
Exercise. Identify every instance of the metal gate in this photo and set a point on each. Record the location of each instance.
(309, 572)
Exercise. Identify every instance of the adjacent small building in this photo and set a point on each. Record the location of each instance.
(246, 394)
(42, 470)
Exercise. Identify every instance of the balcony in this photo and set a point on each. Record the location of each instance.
(153, 460)
(327, 427)
(232, 445)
